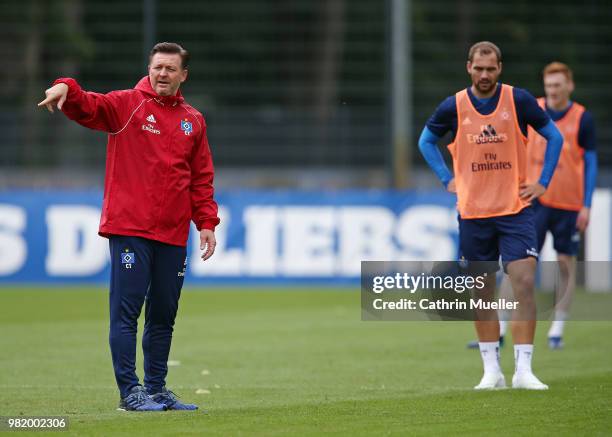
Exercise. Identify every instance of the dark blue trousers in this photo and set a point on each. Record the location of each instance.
(143, 270)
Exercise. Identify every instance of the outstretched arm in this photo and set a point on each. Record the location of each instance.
(92, 110)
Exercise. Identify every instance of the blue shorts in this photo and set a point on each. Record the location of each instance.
(562, 225)
(511, 236)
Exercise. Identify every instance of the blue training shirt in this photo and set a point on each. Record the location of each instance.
(528, 111)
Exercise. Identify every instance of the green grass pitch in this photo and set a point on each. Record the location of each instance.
(293, 362)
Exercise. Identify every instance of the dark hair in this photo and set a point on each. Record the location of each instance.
(484, 48)
(171, 47)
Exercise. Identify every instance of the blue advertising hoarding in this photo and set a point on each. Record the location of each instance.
(264, 236)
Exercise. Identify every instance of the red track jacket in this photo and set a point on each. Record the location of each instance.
(159, 170)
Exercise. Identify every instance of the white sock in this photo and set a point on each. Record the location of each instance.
(489, 351)
(504, 316)
(503, 327)
(556, 328)
(522, 357)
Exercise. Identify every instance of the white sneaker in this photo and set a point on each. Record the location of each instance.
(528, 381)
(491, 381)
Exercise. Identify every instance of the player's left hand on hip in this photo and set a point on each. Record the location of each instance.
(531, 192)
(208, 242)
(582, 221)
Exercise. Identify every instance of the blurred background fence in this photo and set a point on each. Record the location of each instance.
(297, 86)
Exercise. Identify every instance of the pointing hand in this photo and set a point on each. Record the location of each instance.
(56, 95)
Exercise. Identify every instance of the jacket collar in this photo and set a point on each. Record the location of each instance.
(144, 85)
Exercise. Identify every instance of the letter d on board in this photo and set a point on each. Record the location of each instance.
(75, 249)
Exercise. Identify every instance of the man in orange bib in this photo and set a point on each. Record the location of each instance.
(489, 123)
(565, 207)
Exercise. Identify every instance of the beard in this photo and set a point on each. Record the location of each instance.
(484, 86)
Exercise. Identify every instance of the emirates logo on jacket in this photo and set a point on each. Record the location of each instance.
(150, 128)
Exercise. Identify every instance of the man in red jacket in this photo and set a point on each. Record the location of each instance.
(159, 176)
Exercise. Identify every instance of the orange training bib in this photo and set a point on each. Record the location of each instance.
(489, 158)
(566, 188)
